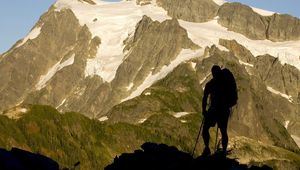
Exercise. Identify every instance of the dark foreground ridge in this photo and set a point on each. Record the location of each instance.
(17, 159)
(162, 157)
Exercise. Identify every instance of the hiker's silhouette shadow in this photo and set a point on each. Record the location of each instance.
(17, 159)
(162, 157)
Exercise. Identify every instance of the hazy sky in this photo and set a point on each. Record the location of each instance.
(17, 17)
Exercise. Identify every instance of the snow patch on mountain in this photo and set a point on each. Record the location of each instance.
(113, 23)
(185, 54)
(180, 114)
(193, 64)
(289, 98)
(16, 112)
(286, 124)
(35, 32)
(262, 12)
(62, 102)
(102, 119)
(142, 120)
(147, 93)
(129, 86)
(114, 26)
(219, 2)
(296, 139)
(246, 64)
(204, 79)
(52, 71)
(209, 33)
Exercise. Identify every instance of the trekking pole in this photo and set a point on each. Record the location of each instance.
(198, 137)
(216, 138)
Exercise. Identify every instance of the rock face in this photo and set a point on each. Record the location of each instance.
(181, 91)
(242, 19)
(148, 51)
(281, 80)
(143, 2)
(283, 27)
(240, 51)
(23, 66)
(284, 78)
(190, 10)
(58, 78)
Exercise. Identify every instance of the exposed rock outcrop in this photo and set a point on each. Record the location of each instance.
(238, 50)
(283, 27)
(153, 46)
(242, 19)
(284, 78)
(143, 2)
(23, 66)
(282, 81)
(190, 10)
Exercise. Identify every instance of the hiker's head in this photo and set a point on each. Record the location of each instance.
(216, 71)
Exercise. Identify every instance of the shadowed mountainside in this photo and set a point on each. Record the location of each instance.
(17, 159)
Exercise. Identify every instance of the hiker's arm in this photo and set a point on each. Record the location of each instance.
(204, 100)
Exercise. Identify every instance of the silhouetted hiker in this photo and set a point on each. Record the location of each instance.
(223, 95)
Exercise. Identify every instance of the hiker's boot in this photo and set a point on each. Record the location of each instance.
(223, 152)
(206, 152)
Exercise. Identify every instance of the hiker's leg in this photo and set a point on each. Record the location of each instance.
(223, 128)
(224, 138)
(205, 134)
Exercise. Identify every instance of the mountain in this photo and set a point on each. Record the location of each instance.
(145, 62)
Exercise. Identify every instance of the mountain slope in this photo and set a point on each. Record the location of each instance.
(86, 72)
(70, 138)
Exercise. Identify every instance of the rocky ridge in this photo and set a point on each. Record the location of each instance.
(24, 68)
(236, 17)
(242, 19)
(190, 10)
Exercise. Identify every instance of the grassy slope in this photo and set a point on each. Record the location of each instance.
(71, 137)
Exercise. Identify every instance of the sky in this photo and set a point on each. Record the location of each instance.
(17, 17)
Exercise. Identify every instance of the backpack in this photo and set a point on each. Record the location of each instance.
(230, 88)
